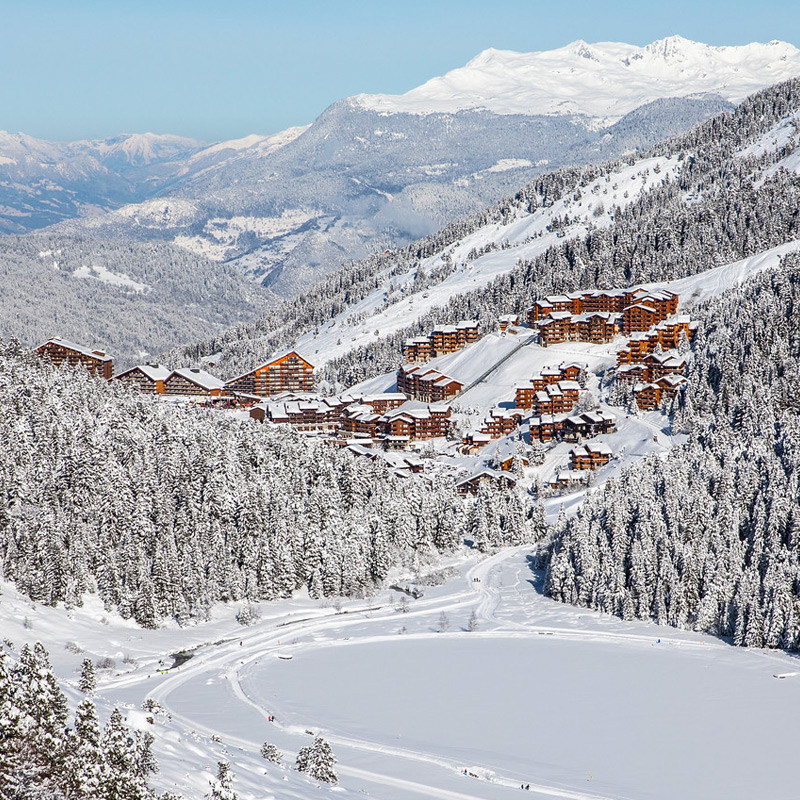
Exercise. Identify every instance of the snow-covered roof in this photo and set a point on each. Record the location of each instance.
(153, 372)
(100, 355)
(200, 378)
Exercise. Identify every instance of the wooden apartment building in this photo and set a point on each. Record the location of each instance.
(442, 340)
(147, 378)
(591, 455)
(289, 372)
(193, 382)
(426, 384)
(61, 351)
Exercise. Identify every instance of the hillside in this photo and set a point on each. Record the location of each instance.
(131, 299)
(706, 538)
(376, 172)
(711, 196)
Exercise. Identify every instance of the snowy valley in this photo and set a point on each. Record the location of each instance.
(509, 501)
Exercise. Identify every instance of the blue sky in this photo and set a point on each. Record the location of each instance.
(219, 70)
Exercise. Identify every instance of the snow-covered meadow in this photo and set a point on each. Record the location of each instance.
(573, 703)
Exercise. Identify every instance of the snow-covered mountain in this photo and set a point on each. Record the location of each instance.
(602, 81)
(373, 172)
(43, 182)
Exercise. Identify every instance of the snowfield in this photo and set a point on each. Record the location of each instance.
(602, 81)
(573, 703)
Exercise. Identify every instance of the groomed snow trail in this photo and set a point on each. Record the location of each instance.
(230, 661)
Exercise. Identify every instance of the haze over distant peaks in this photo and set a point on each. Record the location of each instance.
(604, 81)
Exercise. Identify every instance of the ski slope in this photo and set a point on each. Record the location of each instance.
(394, 305)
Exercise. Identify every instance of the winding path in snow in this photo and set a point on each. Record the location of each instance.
(230, 659)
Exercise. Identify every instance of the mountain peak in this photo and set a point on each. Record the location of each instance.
(601, 81)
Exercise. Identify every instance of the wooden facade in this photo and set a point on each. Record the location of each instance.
(60, 351)
(427, 384)
(193, 383)
(442, 340)
(287, 373)
(147, 378)
(591, 455)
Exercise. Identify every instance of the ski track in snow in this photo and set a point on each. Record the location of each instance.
(231, 659)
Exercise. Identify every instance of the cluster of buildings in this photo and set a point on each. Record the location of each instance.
(655, 375)
(598, 316)
(390, 418)
(442, 340)
(289, 372)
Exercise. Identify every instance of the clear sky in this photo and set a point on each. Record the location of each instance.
(217, 70)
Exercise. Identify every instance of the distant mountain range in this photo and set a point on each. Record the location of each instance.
(378, 171)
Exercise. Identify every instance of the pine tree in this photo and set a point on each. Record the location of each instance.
(88, 679)
(317, 760)
(271, 753)
(221, 785)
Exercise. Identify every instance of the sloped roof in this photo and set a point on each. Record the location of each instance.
(100, 355)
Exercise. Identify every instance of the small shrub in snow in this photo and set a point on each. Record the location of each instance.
(271, 753)
(317, 761)
(248, 615)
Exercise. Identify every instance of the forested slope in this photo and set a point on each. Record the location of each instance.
(709, 537)
(163, 510)
(724, 204)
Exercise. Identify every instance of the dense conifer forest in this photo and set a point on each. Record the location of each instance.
(164, 510)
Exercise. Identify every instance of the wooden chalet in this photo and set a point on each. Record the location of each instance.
(501, 422)
(193, 382)
(147, 378)
(570, 479)
(585, 426)
(289, 372)
(507, 321)
(647, 395)
(591, 455)
(61, 351)
(546, 427)
(472, 484)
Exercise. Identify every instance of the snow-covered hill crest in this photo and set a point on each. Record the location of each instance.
(600, 81)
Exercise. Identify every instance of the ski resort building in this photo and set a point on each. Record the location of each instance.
(289, 372)
(442, 340)
(305, 414)
(599, 316)
(525, 393)
(193, 382)
(591, 455)
(649, 395)
(61, 351)
(413, 421)
(427, 384)
(147, 378)
(472, 484)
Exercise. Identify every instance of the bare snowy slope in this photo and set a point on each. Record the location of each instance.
(602, 81)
